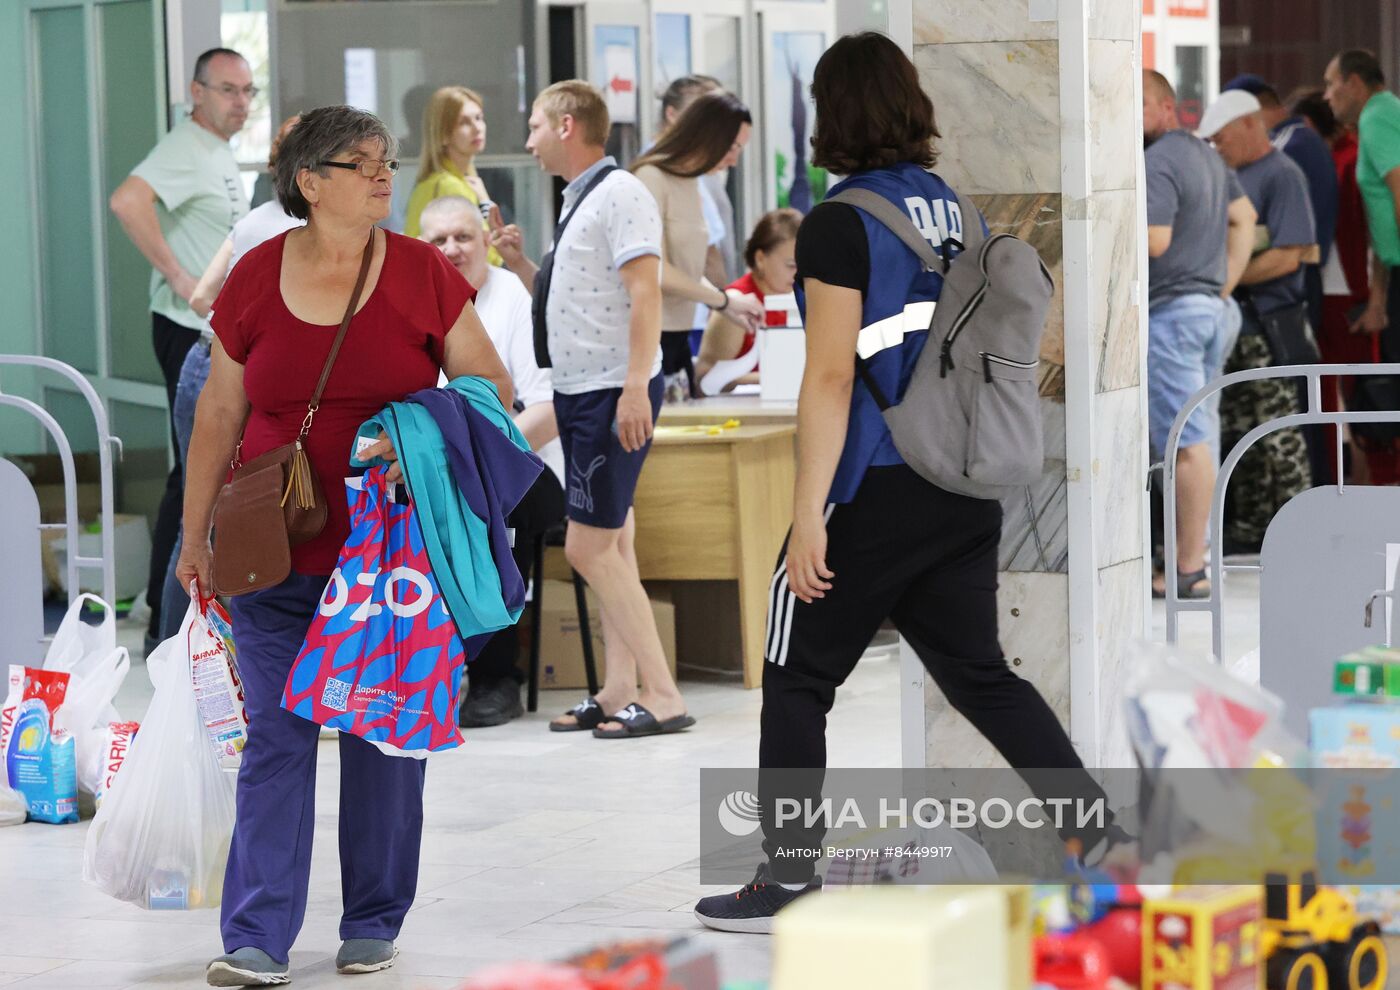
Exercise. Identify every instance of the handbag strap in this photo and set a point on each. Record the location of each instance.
(339, 337)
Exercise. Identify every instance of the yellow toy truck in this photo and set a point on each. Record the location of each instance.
(1313, 940)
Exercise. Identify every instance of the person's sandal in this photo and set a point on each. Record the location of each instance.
(1188, 586)
(588, 714)
(634, 721)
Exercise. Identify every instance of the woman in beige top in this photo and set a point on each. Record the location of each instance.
(710, 134)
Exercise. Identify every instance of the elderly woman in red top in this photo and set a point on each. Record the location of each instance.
(275, 320)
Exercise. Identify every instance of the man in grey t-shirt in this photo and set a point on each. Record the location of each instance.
(1271, 292)
(1200, 227)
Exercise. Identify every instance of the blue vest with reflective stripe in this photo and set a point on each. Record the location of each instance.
(899, 304)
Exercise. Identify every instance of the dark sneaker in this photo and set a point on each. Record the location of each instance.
(247, 967)
(493, 703)
(365, 955)
(751, 908)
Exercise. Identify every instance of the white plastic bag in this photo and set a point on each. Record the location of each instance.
(13, 807)
(97, 666)
(161, 837)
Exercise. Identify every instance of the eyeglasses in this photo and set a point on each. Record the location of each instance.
(369, 169)
(231, 92)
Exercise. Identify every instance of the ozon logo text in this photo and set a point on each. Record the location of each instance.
(403, 603)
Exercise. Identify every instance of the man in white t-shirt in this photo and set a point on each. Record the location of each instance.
(603, 335)
(177, 206)
(453, 223)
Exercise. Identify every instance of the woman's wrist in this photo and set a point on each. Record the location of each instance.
(724, 304)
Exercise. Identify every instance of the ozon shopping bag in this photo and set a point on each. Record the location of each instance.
(382, 659)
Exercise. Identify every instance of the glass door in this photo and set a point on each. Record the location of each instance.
(793, 37)
(94, 105)
(617, 53)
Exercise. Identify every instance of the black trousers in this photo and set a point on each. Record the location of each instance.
(172, 343)
(676, 356)
(540, 510)
(906, 550)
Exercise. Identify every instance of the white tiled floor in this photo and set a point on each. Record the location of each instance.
(537, 844)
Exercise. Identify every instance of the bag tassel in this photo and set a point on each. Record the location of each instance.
(299, 480)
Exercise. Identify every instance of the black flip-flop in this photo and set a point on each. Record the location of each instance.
(637, 721)
(588, 714)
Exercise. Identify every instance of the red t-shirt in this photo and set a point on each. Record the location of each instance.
(1353, 237)
(394, 347)
(747, 284)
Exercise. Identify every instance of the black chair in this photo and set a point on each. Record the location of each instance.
(555, 538)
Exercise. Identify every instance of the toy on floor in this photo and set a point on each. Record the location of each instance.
(1314, 930)
(1204, 938)
(1071, 962)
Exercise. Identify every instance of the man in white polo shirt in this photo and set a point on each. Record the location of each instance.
(453, 224)
(602, 310)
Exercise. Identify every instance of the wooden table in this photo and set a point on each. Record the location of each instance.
(750, 410)
(717, 508)
(714, 508)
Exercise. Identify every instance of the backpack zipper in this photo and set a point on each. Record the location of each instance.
(989, 359)
(945, 356)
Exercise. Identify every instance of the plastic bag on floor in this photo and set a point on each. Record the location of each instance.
(13, 809)
(382, 659)
(161, 837)
(97, 666)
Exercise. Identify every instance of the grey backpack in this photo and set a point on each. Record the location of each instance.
(969, 420)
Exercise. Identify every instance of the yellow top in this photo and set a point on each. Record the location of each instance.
(448, 182)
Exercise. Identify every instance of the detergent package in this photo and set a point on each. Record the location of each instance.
(40, 762)
(116, 741)
(217, 690)
(382, 659)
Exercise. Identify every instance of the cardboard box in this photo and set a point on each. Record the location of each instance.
(131, 547)
(45, 473)
(1203, 938)
(1356, 750)
(561, 648)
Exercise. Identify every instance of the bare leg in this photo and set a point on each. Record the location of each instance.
(1195, 484)
(606, 560)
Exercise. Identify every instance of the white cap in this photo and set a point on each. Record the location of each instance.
(1229, 105)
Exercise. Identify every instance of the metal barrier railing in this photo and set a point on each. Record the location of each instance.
(1312, 415)
(106, 444)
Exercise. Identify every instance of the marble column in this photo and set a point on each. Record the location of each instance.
(1038, 103)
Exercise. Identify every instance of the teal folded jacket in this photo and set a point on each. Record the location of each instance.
(456, 538)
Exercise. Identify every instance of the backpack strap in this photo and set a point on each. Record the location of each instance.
(898, 223)
(895, 219)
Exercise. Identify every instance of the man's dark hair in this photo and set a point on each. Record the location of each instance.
(1310, 103)
(201, 64)
(1363, 64)
(871, 110)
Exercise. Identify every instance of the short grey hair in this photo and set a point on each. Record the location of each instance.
(450, 204)
(322, 134)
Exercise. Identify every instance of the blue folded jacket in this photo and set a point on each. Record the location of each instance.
(466, 465)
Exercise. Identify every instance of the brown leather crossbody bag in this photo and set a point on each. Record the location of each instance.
(275, 501)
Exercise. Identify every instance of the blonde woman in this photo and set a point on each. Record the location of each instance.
(454, 133)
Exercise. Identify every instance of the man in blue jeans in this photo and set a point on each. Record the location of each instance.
(1200, 231)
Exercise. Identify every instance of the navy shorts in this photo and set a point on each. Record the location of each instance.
(600, 476)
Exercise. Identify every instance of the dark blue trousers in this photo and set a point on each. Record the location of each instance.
(381, 797)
